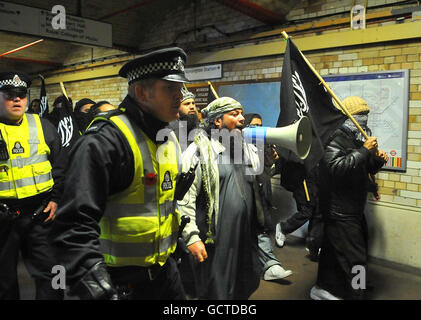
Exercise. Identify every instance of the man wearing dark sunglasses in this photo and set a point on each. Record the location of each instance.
(13, 101)
(11, 94)
(30, 187)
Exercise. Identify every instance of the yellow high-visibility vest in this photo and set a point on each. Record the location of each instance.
(140, 224)
(27, 172)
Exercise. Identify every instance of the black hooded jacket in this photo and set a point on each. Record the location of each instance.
(344, 171)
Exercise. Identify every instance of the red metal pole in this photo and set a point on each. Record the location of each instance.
(20, 48)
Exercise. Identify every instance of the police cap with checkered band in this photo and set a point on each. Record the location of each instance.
(14, 80)
(166, 64)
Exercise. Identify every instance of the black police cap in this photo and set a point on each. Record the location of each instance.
(166, 64)
(14, 80)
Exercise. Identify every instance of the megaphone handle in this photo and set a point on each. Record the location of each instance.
(306, 190)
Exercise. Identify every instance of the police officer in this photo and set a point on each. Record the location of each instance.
(31, 182)
(117, 225)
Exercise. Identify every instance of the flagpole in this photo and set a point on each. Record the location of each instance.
(213, 90)
(306, 190)
(44, 110)
(344, 109)
(63, 89)
(21, 48)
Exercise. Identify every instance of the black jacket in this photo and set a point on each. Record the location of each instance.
(58, 158)
(101, 164)
(344, 171)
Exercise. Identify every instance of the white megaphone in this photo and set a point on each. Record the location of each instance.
(296, 137)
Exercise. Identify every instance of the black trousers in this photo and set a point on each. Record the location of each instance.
(306, 211)
(266, 196)
(136, 284)
(30, 238)
(187, 268)
(345, 245)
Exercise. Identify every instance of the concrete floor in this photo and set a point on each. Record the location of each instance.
(388, 283)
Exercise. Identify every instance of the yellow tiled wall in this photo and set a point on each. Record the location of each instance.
(402, 188)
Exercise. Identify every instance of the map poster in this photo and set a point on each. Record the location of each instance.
(386, 94)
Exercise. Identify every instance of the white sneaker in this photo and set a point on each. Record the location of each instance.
(279, 236)
(318, 252)
(317, 293)
(276, 272)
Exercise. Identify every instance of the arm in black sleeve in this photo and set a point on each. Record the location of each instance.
(375, 164)
(100, 164)
(344, 160)
(58, 158)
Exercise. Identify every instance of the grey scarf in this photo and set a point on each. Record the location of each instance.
(362, 120)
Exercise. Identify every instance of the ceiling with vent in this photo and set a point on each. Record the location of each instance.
(138, 26)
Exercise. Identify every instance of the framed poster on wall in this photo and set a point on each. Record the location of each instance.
(387, 95)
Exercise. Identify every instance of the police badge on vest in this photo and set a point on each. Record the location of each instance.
(17, 149)
(167, 183)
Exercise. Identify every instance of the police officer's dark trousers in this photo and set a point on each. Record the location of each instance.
(154, 283)
(30, 238)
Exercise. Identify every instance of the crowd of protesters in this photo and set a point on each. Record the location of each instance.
(131, 215)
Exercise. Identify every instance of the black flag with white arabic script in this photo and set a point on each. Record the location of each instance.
(43, 100)
(63, 120)
(302, 94)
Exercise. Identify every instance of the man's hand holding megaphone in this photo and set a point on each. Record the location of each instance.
(271, 156)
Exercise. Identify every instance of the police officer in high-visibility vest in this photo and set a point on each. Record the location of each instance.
(31, 183)
(118, 225)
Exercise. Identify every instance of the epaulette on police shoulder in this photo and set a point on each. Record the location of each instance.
(102, 119)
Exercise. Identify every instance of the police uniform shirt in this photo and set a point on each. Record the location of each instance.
(100, 164)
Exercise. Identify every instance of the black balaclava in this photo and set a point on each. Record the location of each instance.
(83, 119)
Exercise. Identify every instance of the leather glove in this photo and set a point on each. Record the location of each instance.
(95, 285)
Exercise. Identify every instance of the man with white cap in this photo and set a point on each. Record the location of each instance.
(119, 226)
(345, 170)
(187, 119)
(222, 234)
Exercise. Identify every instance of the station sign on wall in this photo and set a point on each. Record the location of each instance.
(33, 21)
(207, 72)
